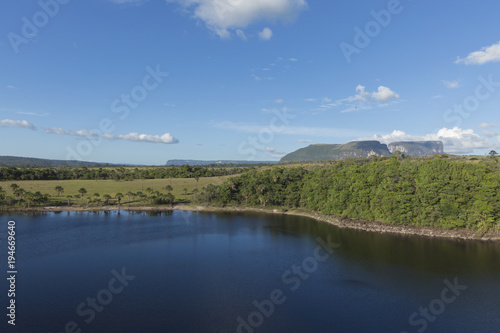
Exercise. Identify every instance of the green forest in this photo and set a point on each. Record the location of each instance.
(402, 191)
(116, 173)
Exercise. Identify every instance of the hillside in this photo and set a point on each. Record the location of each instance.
(362, 149)
(323, 152)
(8, 161)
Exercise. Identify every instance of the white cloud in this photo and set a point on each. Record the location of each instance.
(16, 123)
(486, 125)
(305, 141)
(483, 56)
(456, 140)
(384, 94)
(33, 113)
(279, 101)
(266, 34)
(491, 134)
(256, 77)
(293, 59)
(275, 153)
(135, 137)
(80, 133)
(362, 100)
(451, 84)
(224, 16)
(10, 86)
(437, 97)
(241, 34)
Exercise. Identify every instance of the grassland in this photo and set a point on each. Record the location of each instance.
(112, 187)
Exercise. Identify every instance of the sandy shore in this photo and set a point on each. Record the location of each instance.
(343, 223)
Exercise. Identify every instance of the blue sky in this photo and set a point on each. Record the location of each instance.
(126, 81)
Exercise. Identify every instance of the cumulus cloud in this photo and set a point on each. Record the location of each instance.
(166, 138)
(451, 84)
(279, 101)
(266, 34)
(16, 123)
(483, 56)
(384, 94)
(456, 140)
(224, 16)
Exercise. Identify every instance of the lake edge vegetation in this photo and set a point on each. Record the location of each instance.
(437, 191)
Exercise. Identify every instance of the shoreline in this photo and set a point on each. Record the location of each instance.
(343, 223)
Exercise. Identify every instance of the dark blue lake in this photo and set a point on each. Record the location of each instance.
(228, 272)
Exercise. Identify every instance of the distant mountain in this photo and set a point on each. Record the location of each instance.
(417, 148)
(14, 161)
(323, 152)
(362, 149)
(218, 162)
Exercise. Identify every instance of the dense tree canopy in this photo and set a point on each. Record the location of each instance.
(113, 173)
(438, 192)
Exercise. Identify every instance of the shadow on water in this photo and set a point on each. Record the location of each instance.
(440, 256)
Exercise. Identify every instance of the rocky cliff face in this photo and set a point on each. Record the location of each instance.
(324, 152)
(362, 149)
(417, 148)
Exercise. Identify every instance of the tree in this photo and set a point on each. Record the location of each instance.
(493, 153)
(82, 191)
(14, 187)
(119, 197)
(69, 199)
(185, 190)
(197, 178)
(19, 192)
(106, 198)
(59, 190)
(169, 188)
(169, 198)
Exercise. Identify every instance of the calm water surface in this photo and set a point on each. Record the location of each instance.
(200, 272)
